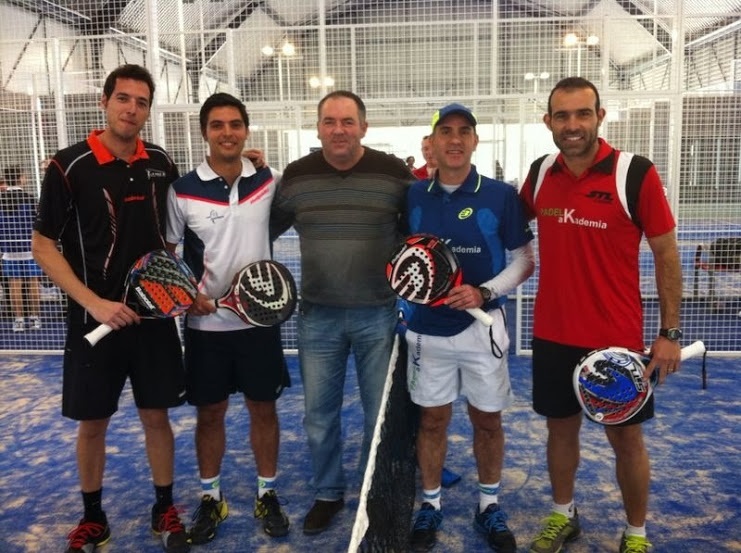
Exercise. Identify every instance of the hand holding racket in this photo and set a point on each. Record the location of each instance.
(610, 386)
(423, 269)
(261, 294)
(163, 287)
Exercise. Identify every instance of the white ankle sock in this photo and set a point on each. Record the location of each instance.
(566, 509)
(211, 487)
(635, 530)
(432, 497)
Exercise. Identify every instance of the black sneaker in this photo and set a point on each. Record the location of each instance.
(209, 514)
(274, 520)
(321, 514)
(171, 531)
(424, 531)
(493, 524)
(88, 536)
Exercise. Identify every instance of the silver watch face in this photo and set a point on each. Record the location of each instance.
(673, 334)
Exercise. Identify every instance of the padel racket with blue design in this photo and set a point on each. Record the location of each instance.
(609, 382)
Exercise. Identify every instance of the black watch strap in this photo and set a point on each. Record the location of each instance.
(485, 293)
(672, 334)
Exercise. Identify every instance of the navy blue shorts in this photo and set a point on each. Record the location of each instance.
(248, 361)
(21, 268)
(553, 388)
(148, 354)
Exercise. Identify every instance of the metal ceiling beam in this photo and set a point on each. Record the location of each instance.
(197, 62)
(730, 26)
(51, 10)
(22, 53)
(650, 23)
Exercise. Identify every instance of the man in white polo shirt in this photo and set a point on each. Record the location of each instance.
(221, 211)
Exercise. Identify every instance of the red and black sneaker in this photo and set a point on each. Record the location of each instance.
(88, 536)
(166, 524)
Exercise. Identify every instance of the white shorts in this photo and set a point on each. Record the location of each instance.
(472, 364)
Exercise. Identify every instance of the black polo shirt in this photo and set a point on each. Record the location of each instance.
(106, 212)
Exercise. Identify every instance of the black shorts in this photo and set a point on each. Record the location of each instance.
(553, 388)
(249, 361)
(149, 354)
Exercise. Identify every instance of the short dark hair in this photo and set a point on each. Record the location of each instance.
(218, 100)
(343, 94)
(574, 83)
(129, 71)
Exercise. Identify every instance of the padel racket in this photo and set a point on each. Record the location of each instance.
(163, 287)
(423, 269)
(609, 382)
(261, 294)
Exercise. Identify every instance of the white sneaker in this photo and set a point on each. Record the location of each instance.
(34, 323)
(19, 325)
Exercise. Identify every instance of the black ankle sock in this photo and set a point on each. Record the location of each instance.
(164, 497)
(93, 503)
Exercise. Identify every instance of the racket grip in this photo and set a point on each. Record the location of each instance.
(97, 334)
(693, 350)
(481, 315)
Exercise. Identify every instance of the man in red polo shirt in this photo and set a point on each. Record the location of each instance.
(593, 203)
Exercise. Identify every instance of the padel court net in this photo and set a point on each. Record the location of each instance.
(383, 521)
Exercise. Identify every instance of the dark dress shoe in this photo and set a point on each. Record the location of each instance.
(321, 514)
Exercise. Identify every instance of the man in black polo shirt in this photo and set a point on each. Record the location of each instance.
(104, 199)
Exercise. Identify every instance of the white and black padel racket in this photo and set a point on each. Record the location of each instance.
(423, 269)
(262, 293)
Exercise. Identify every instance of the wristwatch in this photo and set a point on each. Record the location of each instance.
(485, 293)
(672, 334)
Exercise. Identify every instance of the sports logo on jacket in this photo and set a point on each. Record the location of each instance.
(155, 174)
(465, 213)
(213, 216)
(600, 196)
(568, 216)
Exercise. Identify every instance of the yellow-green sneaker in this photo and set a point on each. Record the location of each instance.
(635, 544)
(557, 530)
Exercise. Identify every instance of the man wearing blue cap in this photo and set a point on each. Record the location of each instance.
(449, 352)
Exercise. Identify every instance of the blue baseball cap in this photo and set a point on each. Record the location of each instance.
(450, 109)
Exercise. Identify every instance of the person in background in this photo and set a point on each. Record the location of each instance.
(220, 211)
(449, 352)
(104, 200)
(498, 171)
(427, 170)
(345, 202)
(17, 214)
(593, 203)
(410, 163)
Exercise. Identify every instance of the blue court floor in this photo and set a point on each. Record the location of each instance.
(693, 441)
